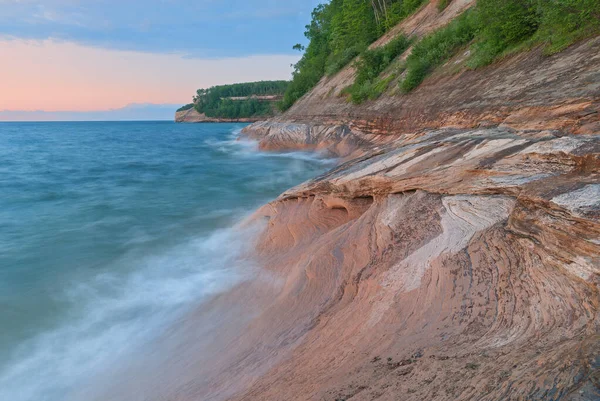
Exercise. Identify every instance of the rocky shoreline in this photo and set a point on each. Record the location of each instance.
(192, 116)
(453, 254)
(449, 264)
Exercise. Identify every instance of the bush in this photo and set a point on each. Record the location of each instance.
(336, 62)
(339, 31)
(502, 24)
(442, 4)
(563, 22)
(437, 48)
(506, 24)
(371, 64)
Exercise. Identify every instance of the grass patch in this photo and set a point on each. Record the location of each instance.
(367, 84)
(442, 4)
(336, 62)
(565, 22)
(501, 27)
(437, 48)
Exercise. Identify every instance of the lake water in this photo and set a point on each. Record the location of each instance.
(109, 230)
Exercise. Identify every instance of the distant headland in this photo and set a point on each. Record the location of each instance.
(241, 102)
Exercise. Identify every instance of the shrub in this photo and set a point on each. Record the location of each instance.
(563, 22)
(435, 49)
(442, 4)
(370, 65)
(336, 62)
(506, 24)
(501, 24)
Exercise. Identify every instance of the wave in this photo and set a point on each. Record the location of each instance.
(240, 146)
(113, 313)
(105, 315)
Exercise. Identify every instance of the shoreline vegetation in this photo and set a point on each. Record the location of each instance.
(341, 33)
(250, 100)
(342, 30)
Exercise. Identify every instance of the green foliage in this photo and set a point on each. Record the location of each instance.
(370, 65)
(339, 31)
(435, 49)
(219, 101)
(497, 27)
(353, 24)
(507, 24)
(311, 67)
(563, 22)
(442, 4)
(336, 62)
(399, 10)
(501, 24)
(370, 89)
(261, 88)
(186, 107)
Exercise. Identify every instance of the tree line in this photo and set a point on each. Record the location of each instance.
(341, 30)
(338, 32)
(216, 101)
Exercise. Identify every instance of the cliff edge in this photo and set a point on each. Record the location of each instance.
(192, 116)
(454, 254)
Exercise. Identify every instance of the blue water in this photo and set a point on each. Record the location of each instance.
(109, 230)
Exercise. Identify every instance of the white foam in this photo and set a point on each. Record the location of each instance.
(112, 313)
(241, 146)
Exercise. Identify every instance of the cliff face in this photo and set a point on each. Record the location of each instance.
(454, 254)
(450, 265)
(528, 91)
(192, 116)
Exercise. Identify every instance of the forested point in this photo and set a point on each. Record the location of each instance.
(342, 30)
(242, 100)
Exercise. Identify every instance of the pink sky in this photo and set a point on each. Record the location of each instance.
(60, 76)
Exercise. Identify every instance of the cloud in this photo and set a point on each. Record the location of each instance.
(203, 28)
(56, 75)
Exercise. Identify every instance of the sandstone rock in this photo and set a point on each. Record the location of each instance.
(192, 116)
(453, 254)
(463, 221)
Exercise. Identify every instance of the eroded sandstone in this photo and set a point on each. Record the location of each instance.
(453, 254)
(451, 265)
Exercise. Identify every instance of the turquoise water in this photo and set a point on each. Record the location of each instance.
(110, 230)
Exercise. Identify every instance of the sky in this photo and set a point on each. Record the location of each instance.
(92, 55)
